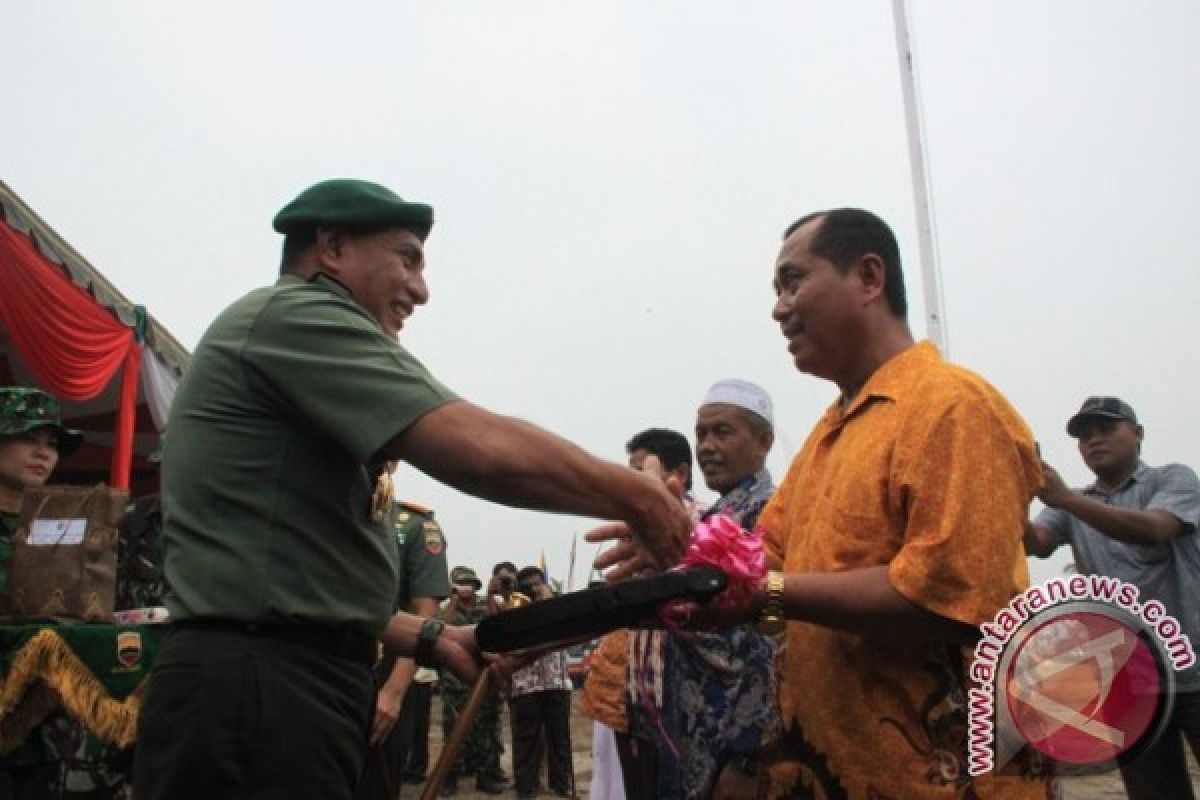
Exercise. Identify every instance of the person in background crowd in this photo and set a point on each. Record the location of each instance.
(476, 759)
(541, 711)
(499, 595)
(649, 761)
(605, 702)
(501, 586)
(140, 581)
(424, 583)
(416, 713)
(1136, 523)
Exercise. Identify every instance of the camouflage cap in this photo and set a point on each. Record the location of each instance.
(464, 576)
(23, 409)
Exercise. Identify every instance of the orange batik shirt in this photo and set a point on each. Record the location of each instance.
(929, 471)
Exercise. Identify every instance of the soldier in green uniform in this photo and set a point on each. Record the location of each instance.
(477, 757)
(281, 571)
(59, 758)
(32, 439)
(424, 583)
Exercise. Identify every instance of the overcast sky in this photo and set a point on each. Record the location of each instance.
(611, 180)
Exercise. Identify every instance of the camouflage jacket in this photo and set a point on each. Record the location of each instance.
(140, 581)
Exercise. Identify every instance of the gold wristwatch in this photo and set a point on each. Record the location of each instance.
(771, 620)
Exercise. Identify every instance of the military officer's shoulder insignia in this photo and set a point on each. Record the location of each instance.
(416, 508)
(435, 541)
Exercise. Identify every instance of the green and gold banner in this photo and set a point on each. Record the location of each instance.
(94, 671)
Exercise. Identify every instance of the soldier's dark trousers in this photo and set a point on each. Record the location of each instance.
(541, 722)
(228, 715)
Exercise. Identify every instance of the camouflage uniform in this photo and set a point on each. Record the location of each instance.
(23, 410)
(140, 581)
(59, 758)
(479, 755)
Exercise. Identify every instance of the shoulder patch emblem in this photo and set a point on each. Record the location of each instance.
(434, 542)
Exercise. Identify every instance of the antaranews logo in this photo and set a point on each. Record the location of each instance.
(1078, 669)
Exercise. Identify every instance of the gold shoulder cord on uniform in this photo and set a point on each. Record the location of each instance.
(384, 496)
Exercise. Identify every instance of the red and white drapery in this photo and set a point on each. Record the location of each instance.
(71, 344)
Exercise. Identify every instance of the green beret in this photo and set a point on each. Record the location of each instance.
(354, 204)
(23, 409)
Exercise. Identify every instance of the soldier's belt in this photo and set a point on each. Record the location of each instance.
(340, 642)
(593, 612)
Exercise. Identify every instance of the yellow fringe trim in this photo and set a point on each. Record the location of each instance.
(47, 671)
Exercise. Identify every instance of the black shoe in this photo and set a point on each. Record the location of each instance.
(412, 777)
(450, 787)
(489, 786)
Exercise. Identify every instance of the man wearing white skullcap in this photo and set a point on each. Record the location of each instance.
(744, 394)
(722, 707)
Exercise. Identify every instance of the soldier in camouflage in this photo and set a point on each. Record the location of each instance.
(140, 581)
(478, 756)
(58, 758)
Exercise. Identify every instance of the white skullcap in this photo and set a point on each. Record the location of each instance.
(742, 394)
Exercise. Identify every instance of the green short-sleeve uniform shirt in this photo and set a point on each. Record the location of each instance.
(422, 548)
(267, 473)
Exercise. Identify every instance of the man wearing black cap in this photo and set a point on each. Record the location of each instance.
(1136, 523)
(281, 570)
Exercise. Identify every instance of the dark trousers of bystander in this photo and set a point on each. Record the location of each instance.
(541, 723)
(236, 716)
(414, 724)
(1161, 773)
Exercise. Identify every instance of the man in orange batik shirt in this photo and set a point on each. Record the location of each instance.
(898, 528)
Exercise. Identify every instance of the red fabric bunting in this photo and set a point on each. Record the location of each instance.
(72, 345)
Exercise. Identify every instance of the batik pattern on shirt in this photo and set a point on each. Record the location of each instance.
(722, 691)
(647, 668)
(928, 471)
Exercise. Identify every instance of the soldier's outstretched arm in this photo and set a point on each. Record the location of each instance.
(514, 462)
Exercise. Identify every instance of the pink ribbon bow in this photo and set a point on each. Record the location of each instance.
(718, 541)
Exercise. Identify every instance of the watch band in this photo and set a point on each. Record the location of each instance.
(772, 620)
(431, 629)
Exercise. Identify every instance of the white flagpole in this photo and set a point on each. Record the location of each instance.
(935, 301)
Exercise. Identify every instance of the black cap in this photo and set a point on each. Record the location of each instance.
(354, 204)
(1110, 407)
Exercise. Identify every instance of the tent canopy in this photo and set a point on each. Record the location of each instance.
(66, 329)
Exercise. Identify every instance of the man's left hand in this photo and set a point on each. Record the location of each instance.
(387, 711)
(625, 558)
(1054, 492)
